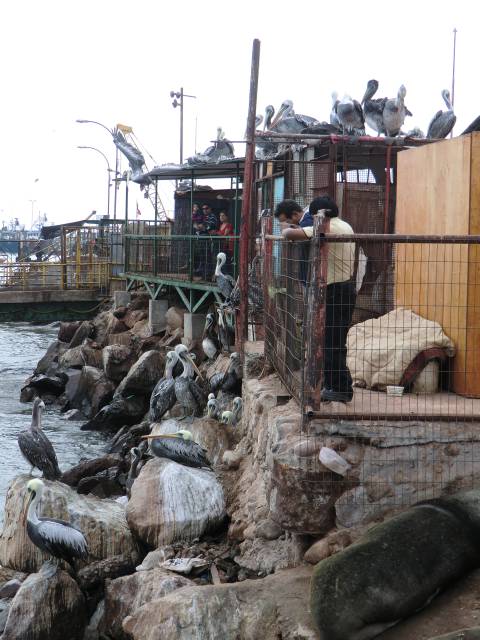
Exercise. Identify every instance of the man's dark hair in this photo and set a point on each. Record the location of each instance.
(323, 202)
(287, 207)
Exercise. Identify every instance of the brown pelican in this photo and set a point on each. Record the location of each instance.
(473, 126)
(179, 447)
(394, 113)
(56, 537)
(443, 121)
(134, 156)
(220, 150)
(286, 110)
(225, 282)
(225, 332)
(210, 342)
(233, 417)
(269, 113)
(189, 393)
(333, 113)
(237, 408)
(373, 107)
(213, 409)
(135, 457)
(36, 447)
(163, 396)
(350, 115)
(231, 380)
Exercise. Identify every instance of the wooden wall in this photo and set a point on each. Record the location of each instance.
(438, 192)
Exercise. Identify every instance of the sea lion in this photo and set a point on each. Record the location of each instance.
(396, 568)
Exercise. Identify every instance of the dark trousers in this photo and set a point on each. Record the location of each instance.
(340, 303)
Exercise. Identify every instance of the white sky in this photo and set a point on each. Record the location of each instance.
(116, 61)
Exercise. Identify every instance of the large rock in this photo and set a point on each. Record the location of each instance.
(213, 436)
(102, 522)
(52, 385)
(118, 413)
(48, 606)
(92, 392)
(81, 356)
(132, 317)
(144, 375)
(85, 330)
(171, 502)
(88, 468)
(174, 317)
(117, 361)
(272, 608)
(124, 596)
(67, 330)
(49, 362)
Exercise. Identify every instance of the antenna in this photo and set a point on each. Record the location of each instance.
(453, 70)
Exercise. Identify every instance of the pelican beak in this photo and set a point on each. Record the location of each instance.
(195, 368)
(159, 435)
(29, 499)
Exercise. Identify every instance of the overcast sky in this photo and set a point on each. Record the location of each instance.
(116, 62)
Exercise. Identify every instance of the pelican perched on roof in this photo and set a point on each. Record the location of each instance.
(56, 537)
(210, 342)
(268, 117)
(333, 113)
(189, 393)
(373, 107)
(350, 115)
(285, 111)
(225, 282)
(394, 112)
(179, 447)
(443, 121)
(163, 395)
(36, 448)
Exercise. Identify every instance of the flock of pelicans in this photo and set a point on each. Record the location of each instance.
(385, 116)
(182, 384)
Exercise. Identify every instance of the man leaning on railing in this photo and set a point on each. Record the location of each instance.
(340, 294)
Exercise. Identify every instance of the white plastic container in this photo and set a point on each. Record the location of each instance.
(393, 390)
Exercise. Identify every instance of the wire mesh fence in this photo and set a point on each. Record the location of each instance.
(407, 426)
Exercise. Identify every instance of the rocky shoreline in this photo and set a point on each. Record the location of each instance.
(191, 554)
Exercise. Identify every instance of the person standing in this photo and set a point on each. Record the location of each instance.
(340, 299)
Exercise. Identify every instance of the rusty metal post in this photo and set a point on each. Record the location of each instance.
(248, 182)
(315, 317)
(63, 258)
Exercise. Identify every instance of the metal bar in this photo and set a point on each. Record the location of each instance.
(184, 298)
(312, 414)
(338, 139)
(137, 236)
(149, 289)
(391, 237)
(199, 302)
(248, 183)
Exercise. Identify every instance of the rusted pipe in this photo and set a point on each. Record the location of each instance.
(394, 238)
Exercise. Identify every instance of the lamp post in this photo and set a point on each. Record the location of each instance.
(110, 131)
(108, 173)
(178, 97)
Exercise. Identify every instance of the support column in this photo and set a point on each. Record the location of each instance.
(193, 325)
(121, 298)
(157, 312)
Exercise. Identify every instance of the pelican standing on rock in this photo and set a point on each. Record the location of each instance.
(225, 282)
(189, 393)
(163, 396)
(210, 342)
(179, 447)
(443, 121)
(56, 537)
(36, 448)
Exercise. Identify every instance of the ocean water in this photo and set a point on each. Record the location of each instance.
(21, 346)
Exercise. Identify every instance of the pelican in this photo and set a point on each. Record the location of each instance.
(350, 115)
(179, 447)
(333, 113)
(163, 396)
(285, 111)
(135, 456)
(237, 408)
(188, 392)
(36, 448)
(225, 282)
(213, 409)
(394, 113)
(258, 121)
(210, 342)
(228, 418)
(373, 107)
(443, 121)
(231, 380)
(269, 113)
(225, 333)
(56, 537)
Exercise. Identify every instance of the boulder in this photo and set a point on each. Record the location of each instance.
(210, 434)
(73, 415)
(120, 412)
(117, 361)
(91, 392)
(174, 317)
(92, 630)
(27, 394)
(126, 339)
(139, 301)
(124, 596)
(171, 502)
(102, 522)
(85, 330)
(143, 375)
(271, 608)
(67, 330)
(104, 484)
(134, 316)
(87, 468)
(102, 324)
(49, 362)
(141, 329)
(52, 385)
(81, 356)
(95, 574)
(48, 606)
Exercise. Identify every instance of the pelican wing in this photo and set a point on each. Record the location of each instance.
(441, 124)
(182, 451)
(162, 399)
(39, 452)
(134, 156)
(58, 538)
(199, 395)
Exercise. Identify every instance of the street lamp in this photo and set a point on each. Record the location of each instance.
(178, 97)
(109, 171)
(94, 122)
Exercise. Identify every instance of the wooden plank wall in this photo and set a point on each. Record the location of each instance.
(433, 197)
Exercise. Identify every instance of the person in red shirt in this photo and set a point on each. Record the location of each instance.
(226, 229)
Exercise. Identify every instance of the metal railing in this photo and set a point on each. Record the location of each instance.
(54, 276)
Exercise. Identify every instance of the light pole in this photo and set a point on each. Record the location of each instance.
(33, 204)
(178, 97)
(108, 173)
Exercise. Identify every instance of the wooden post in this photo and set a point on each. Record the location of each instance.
(248, 182)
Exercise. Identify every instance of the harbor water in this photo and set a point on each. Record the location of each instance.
(21, 346)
